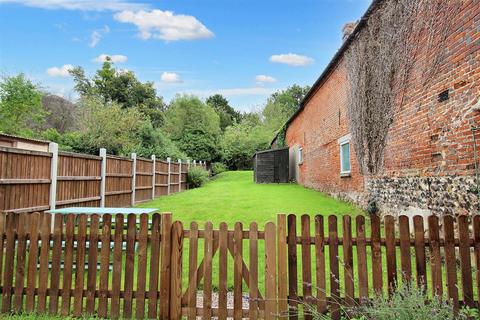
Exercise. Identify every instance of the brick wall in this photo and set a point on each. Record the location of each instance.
(317, 130)
(429, 159)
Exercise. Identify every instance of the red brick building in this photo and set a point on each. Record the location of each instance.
(429, 161)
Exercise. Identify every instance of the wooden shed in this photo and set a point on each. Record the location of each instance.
(271, 166)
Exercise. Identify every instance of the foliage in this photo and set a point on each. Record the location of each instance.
(20, 106)
(241, 141)
(193, 126)
(122, 87)
(218, 167)
(408, 302)
(68, 141)
(380, 64)
(197, 177)
(227, 114)
(282, 105)
(108, 126)
(155, 141)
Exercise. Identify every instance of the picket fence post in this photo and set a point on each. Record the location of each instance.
(103, 174)
(134, 176)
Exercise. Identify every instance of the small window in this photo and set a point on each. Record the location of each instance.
(300, 155)
(345, 157)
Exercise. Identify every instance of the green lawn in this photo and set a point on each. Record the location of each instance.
(233, 196)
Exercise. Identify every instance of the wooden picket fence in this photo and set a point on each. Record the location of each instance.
(151, 267)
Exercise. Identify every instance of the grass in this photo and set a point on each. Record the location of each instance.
(233, 196)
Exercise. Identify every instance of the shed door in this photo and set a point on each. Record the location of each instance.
(276, 167)
(283, 166)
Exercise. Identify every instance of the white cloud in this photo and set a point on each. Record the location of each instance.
(170, 77)
(62, 71)
(115, 58)
(165, 25)
(292, 59)
(97, 36)
(82, 5)
(261, 79)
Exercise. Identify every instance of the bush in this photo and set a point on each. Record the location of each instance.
(408, 302)
(218, 168)
(197, 177)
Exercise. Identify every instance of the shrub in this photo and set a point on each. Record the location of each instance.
(197, 177)
(218, 168)
(408, 302)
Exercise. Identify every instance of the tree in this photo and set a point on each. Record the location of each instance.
(193, 126)
(108, 126)
(61, 113)
(20, 106)
(281, 105)
(240, 141)
(156, 141)
(122, 87)
(227, 114)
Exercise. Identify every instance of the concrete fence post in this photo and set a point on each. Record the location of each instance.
(169, 170)
(194, 163)
(153, 176)
(188, 163)
(134, 176)
(179, 175)
(52, 200)
(103, 175)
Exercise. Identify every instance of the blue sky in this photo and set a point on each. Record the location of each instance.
(242, 49)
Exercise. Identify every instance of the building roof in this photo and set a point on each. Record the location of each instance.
(18, 138)
(333, 63)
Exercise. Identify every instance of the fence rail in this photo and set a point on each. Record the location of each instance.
(36, 181)
(149, 267)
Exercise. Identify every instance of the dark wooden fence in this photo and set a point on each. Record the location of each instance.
(26, 180)
(148, 266)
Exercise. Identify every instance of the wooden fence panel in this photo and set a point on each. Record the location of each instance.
(40, 265)
(78, 180)
(161, 178)
(183, 178)
(143, 180)
(24, 180)
(118, 186)
(174, 177)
